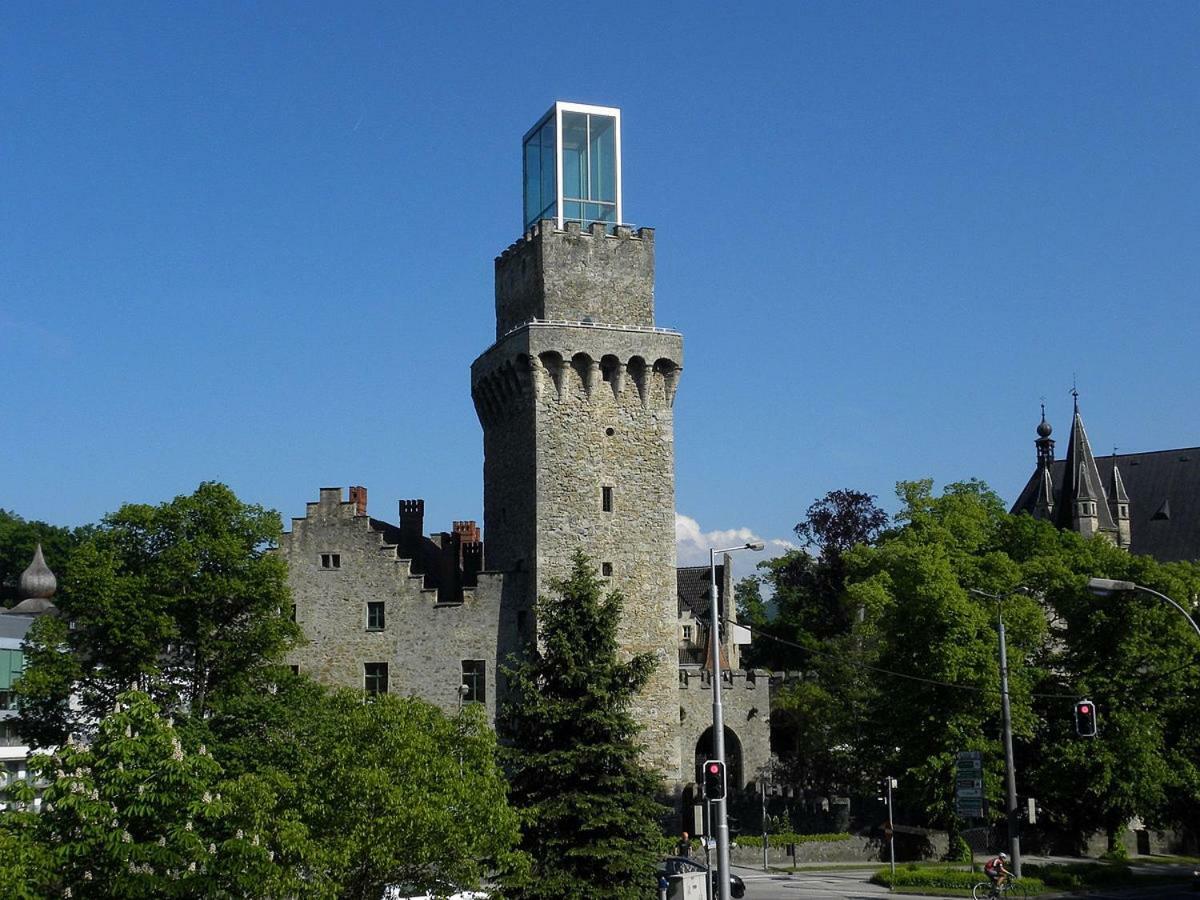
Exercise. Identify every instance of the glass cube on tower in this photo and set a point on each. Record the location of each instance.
(573, 165)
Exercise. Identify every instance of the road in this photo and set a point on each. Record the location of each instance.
(851, 884)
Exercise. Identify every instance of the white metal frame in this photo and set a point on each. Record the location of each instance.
(557, 110)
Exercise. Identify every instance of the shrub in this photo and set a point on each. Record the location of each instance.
(785, 838)
(939, 877)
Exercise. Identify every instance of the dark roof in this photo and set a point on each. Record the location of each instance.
(1163, 479)
(694, 585)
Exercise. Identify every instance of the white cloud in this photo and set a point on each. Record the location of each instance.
(692, 544)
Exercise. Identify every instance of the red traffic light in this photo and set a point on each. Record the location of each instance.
(1085, 718)
(714, 779)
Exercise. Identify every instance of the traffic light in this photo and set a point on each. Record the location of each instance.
(1085, 718)
(714, 779)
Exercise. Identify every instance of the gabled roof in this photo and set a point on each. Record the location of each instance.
(693, 584)
(1169, 478)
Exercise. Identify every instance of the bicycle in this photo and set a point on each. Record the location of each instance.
(985, 890)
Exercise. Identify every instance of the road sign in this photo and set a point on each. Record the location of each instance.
(968, 784)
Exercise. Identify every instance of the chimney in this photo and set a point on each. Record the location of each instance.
(412, 527)
(468, 532)
(358, 496)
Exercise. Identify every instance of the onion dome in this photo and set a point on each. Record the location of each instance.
(38, 582)
(1044, 429)
(36, 587)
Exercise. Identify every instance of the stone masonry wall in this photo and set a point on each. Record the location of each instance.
(423, 642)
(576, 275)
(746, 705)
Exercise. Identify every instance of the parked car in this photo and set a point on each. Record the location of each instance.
(677, 865)
(441, 891)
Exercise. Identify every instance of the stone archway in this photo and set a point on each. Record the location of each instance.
(733, 757)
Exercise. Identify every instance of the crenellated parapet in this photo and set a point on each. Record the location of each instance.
(731, 679)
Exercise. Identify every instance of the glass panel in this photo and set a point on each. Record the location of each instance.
(602, 153)
(533, 177)
(573, 210)
(549, 189)
(574, 150)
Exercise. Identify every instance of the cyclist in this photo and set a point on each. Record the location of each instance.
(995, 870)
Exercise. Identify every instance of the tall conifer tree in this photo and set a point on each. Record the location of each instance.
(590, 823)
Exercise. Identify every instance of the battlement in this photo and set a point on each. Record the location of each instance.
(575, 274)
(744, 679)
(594, 229)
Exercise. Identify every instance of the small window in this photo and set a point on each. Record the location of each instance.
(687, 632)
(375, 620)
(293, 612)
(7, 700)
(474, 674)
(295, 670)
(331, 560)
(606, 569)
(606, 498)
(375, 679)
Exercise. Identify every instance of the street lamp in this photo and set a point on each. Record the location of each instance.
(1104, 587)
(718, 726)
(1014, 838)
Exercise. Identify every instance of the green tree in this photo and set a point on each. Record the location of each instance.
(395, 792)
(590, 823)
(184, 600)
(19, 539)
(139, 814)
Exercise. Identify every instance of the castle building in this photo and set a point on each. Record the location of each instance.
(1147, 503)
(575, 398)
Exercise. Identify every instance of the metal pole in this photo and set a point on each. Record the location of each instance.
(718, 732)
(763, 785)
(891, 828)
(1014, 839)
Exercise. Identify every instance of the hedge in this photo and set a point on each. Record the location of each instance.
(938, 877)
(782, 840)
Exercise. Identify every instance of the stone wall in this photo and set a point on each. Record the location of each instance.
(745, 704)
(576, 275)
(424, 642)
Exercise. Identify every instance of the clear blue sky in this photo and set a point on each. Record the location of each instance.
(254, 242)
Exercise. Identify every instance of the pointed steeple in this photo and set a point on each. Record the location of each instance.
(1083, 505)
(1118, 505)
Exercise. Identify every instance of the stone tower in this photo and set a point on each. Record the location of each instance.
(575, 399)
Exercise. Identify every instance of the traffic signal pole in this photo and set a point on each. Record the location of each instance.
(1014, 816)
(718, 808)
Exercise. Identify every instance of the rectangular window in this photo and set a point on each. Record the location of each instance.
(295, 670)
(687, 632)
(375, 619)
(606, 498)
(473, 680)
(293, 612)
(375, 679)
(606, 569)
(331, 560)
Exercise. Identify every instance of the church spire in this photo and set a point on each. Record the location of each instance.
(1118, 505)
(1084, 506)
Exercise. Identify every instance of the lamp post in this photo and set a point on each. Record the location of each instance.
(1103, 587)
(1014, 838)
(718, 808)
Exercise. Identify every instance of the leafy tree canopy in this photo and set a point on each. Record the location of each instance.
(183, 600)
